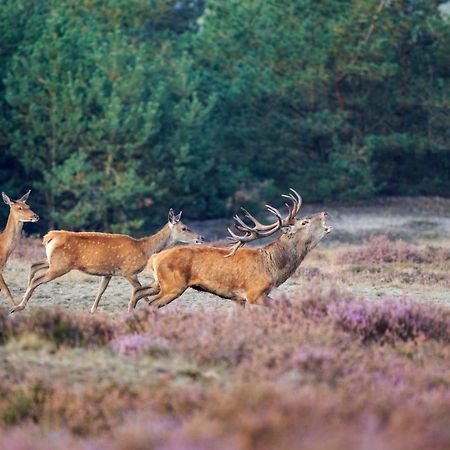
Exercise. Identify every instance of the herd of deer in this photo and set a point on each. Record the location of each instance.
(240, 274)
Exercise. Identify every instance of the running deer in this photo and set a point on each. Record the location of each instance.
(19, 213)
(242, 274)
(104, 255)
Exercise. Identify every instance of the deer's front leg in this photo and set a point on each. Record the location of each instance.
(6, 291)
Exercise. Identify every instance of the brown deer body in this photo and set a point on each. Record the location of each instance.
(19, 213)
(104, 255)
(248, 275)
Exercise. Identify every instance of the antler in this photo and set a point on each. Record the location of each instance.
(296, 204)
(259, 230)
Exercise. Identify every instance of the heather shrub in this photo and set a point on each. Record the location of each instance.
(310, 273)
(262, 339)
(135, 344)
(24, 403)
(416, 275)
(254, 339)
(379, 249)
(314, 301)
(32, 437)
(387, 319)
(279, 419)
(314, 358)
(258, 378)
(438, 254)
(90, 408)
(83, 409)
(62, 327)
(392, 319)
(30, 341)
(221, 339)
(3, 325)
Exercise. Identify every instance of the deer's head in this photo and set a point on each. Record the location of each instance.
(19, 208)
(310, 230)
(179, 232)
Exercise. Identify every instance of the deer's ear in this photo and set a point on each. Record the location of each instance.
(173, 218)
(24, 197)
(6, 199)
(170, 216)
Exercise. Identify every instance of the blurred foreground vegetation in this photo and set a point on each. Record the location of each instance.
(320, 370)
(114, 111)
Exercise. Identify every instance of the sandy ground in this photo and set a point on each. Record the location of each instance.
(419, 220)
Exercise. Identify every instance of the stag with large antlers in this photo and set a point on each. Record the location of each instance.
(104, 255)
(242, 274)
(19, 212)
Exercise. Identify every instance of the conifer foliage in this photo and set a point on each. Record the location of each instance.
(114, 111)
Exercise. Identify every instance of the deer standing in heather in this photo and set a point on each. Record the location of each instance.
(19, 213)
(244, 274)
(104, 255)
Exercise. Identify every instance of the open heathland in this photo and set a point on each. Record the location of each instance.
(354, 352)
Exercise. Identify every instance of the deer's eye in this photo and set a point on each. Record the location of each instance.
(184, 229)
(20, 208)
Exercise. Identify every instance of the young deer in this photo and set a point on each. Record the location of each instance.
(104, 254)
(244, 274)
(19, 213)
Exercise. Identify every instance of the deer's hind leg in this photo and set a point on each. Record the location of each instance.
(36, 267)
(259, 296)
(170, 288)
(133, 280)
(164, 294)
(101, 289)
(164, 298)
(51, 274)
(143, 292)
(169, 284)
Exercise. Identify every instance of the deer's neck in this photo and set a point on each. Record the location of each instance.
(11, 234)
(283, 257)
(158, 241)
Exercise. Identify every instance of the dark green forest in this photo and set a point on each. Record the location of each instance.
(114, 111)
